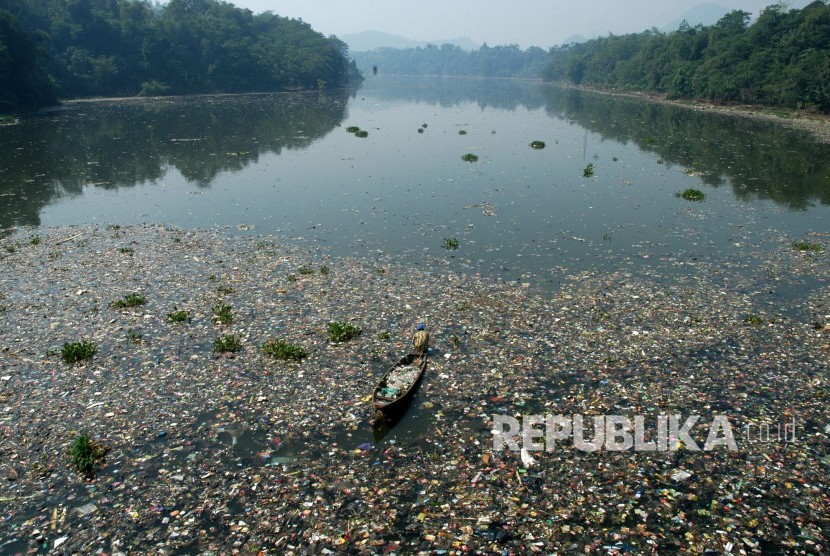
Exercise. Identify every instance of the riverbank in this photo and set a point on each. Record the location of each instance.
(814, 123)
(238, 453)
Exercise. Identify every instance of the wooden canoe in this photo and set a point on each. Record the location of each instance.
(395, 389)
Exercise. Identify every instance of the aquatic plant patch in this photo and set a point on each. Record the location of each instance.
(75, 352)
(86, 455)
(280, 349)
(588, 171)
(130, 300)
(803, 245)
(228, 343)
(695, 195)
(451, 243)
(222, 313)
(339, 332)
(179, 316)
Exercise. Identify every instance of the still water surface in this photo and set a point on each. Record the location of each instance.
(285, 164)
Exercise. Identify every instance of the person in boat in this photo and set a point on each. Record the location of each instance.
(420, 341)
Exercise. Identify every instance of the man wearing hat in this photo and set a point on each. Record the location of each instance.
(421, 340)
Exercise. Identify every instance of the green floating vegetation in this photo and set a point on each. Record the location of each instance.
(423, 126)
(537, 145)
(469, 157)
(130, 300)
(384, 336)
(229, 343)
(222, 313)
(126, 250)
(803, 245)
(35, 240)
(462, 132)
(588, 171)
(420, 130)
(451, 243)
(361, 133)
(225, 290)
(352, 129)
(339, 332)
(134, 336)
(305, 270)
(75, 352)
(692, 195)
(753, 320)
(324, 270)
(179, 316)
(280, 349)
(86, 455)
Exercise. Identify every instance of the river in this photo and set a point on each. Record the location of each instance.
(285, 164)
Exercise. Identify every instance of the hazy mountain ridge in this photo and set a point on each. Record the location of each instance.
(368, 40)
(705, 14)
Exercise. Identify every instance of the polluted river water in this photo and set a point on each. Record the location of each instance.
(602, 295)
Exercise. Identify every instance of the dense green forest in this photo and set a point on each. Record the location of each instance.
(448, 59)
(781, 59)
(77, 48)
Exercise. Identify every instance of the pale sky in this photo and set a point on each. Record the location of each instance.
(524, 22)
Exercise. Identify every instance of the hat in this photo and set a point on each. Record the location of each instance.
(420, 326)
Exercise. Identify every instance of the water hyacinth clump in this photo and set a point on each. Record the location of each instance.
(803, 245)
(690, 194)
(228, 343)
(588, 171)
(86, 455)
(280, 349)
(74, 352)
(537, 145)
(451, 243)
(222, 313)
(469, 157)
(339, 332)
(130, 300)
(178, 316)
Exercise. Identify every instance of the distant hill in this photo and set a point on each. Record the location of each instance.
(366, 41)
(575, 39)
(702, 14)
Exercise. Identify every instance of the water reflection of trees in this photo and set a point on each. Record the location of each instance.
(758, 159)
(113, 144)
(504, 94)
